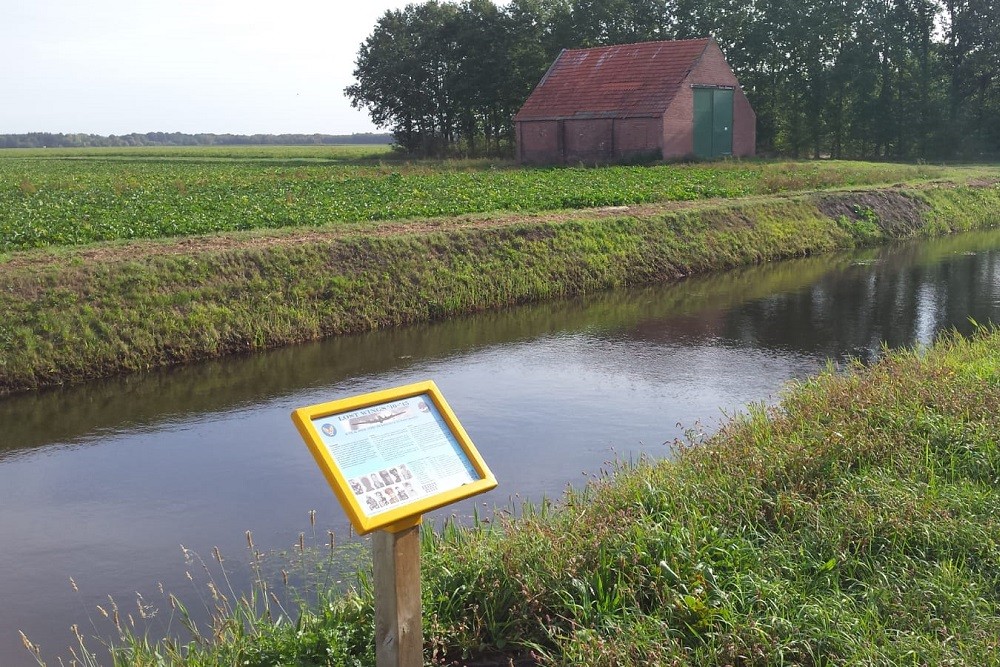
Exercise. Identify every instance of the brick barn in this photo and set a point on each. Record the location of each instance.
(658, 100)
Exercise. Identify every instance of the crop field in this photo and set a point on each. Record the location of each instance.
(72, 197)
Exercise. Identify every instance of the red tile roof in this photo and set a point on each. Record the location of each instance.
(613, 81)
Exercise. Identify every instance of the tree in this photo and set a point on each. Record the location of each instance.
(401, 74)
(847, 78)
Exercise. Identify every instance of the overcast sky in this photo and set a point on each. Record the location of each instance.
(240, 66)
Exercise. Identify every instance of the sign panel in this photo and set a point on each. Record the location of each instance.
(393, 455)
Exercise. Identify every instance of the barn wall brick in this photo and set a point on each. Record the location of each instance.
(588, 140)
(538, 142)
(637, 138)
(711, 69)
(744, 126)
(678, 126)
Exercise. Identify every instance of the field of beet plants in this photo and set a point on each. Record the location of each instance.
(73, 197)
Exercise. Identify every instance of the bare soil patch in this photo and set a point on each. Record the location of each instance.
(896, 211)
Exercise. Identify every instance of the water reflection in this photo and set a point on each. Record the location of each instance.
(905, 296)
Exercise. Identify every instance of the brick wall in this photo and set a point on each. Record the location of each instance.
(637, 138)
(744, 126)
(539, 142)
(587, 140)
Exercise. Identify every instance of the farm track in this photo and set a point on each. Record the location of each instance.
(138, 249)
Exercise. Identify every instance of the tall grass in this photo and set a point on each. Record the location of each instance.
(301, 606)
(856, 523)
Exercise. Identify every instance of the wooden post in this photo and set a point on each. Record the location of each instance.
(399, 637)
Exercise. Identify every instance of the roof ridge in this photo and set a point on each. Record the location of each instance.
(642, 43)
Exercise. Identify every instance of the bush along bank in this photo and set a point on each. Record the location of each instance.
(858, 522)
(72, 315)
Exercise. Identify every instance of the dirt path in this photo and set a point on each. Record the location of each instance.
(131, 250)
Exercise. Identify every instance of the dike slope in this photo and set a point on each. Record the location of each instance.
(76, 314)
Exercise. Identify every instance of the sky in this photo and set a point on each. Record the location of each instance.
(219, 66)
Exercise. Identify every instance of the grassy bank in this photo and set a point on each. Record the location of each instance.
(855, 523)
(75, 314)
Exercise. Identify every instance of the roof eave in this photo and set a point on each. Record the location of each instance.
(587, 115)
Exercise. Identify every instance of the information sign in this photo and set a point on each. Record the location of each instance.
(393, 455)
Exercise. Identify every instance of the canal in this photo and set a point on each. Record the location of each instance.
(101, 484)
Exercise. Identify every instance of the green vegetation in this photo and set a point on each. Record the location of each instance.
(280, 155)
(855, 523)
(80, 313)
(61, 198)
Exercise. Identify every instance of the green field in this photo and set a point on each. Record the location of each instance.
(68, 197)
(258, 247)
(69, 314)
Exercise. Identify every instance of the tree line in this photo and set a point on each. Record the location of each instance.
(76, 140)
(882, 79)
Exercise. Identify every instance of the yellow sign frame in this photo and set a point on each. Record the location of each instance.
(409, 514)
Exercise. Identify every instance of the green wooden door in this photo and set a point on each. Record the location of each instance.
(722, 122)
(703, 99)
(713, 122)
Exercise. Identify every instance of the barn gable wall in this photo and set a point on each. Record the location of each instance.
(744, 126)
(678, 121)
